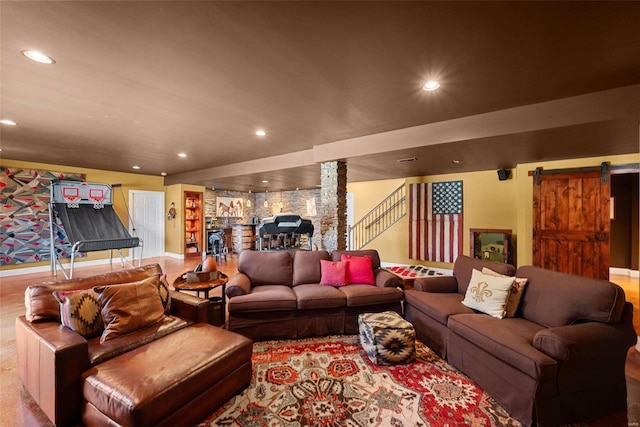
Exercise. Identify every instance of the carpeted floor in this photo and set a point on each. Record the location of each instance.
(330, 382)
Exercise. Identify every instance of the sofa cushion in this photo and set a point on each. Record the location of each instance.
(312, 296)
(464, 266)
(266, 268)
(359, 269)
(515, 296)
(375, 257)
(333, 273)
(40, 304)
(362, 295)
(557, 299)
(438, 306)
(306, 266)
(128, 307)
(488, 293)
(80, 311)
(264, 298)
(99, 352)
(509, 340)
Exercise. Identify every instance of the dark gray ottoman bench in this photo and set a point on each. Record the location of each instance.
(176, 380)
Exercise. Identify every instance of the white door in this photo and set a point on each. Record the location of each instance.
(147, 221)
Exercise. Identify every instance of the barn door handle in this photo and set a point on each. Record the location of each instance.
(602, 237)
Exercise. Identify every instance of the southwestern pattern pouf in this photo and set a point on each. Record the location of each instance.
(387, 338)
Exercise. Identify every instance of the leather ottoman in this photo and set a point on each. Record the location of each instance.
(176, 380)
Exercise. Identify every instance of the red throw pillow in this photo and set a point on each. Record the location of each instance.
(333, 273)
(359, 269)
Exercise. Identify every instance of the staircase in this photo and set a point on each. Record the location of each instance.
(374, 223)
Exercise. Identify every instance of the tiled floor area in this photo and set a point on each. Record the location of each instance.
(18, 409)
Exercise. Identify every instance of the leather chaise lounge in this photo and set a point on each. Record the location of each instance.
(560, 359)
(173, 372)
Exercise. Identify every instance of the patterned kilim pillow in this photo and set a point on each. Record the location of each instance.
(80, 311)
(165, 295)
(387, 338)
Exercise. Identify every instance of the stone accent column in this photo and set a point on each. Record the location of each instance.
(333, 210)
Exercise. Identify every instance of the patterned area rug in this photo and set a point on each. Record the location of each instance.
(330, 381)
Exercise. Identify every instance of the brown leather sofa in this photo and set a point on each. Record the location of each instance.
(277, 295)
(559, 360)
(188, 368)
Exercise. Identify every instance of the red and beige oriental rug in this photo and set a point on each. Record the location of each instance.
(330, 381)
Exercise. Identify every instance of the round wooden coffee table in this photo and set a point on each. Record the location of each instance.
(181, 284)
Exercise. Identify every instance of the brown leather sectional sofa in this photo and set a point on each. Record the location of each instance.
(174, 372)
(559, 360)
(277, 295)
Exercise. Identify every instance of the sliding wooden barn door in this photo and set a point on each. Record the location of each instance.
(571, 222)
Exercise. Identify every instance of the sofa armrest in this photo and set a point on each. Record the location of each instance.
(439, 284)
(590, 340)
(51, 359)
(385, 279)
(240, 284)
(190, 307)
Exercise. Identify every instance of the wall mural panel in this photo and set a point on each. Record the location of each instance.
(24, 215)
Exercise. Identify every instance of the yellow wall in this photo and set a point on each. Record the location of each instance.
(129, 181)
(488, 203)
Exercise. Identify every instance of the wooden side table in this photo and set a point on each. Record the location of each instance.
(181, 284)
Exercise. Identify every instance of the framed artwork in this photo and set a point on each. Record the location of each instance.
(491, 244)
(24, 215)
(229, 207)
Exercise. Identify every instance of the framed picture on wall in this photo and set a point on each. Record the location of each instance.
(491, 244)
(229, 207)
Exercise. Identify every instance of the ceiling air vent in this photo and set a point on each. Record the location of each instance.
(407, 160)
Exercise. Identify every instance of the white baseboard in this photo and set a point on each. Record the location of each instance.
(78, 264)
(624, 272)
(43, 268)
(174, 255)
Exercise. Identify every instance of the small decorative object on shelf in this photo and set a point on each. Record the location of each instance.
(193, 226)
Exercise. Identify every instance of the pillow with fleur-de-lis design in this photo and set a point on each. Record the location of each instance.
(488, 294)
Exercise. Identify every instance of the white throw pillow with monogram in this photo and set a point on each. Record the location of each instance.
(488, 294)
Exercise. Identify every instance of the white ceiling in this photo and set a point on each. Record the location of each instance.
(137, 82)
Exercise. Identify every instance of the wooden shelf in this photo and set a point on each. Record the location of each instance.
(193, 226)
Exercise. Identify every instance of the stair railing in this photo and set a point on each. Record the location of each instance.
(378, 219)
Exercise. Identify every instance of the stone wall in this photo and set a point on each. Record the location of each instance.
(333, 210)
(292, 202)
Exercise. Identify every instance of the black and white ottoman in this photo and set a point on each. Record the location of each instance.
(387, 338)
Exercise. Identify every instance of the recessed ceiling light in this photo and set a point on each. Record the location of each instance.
(40, 57)
(8, 122)
(163, 173)
(456, 162)
(182, 155)
(261, 132)
(136, 167)
(264, 181)
(431, 85)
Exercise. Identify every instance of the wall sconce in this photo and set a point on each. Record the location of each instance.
(248, 204)
(171, 215)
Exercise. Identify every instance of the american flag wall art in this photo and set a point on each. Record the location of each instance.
(435, 221)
